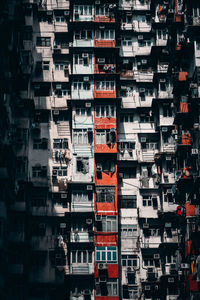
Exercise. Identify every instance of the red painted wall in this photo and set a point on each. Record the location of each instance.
(112, 269)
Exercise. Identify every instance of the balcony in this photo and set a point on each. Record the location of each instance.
(162, 67)
(59, 102)
(81, 269)
(105, 148)
(104, 93)
(81, 237)
(104, 19)
(167, 178)
(83, 43)
(61, 49)
(148, 183)
(81, 94)
(60, 27)
(105, 68)
(143, 76)
(126, 75)
(146, 155)
(104, 43)
(127, 154)
(42, 102)
(82, 206)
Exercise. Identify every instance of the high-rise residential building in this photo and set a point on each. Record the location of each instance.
(99, 149)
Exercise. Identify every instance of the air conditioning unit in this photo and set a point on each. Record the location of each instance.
(144, 61)
(140, 37)
(147, 288)
(162, 80)
(89, 187)
(58, 86)
(120, 175)
(101, 60)
(164, 129)
(97, 2)
(125, 61)
(102, 266)
(168, 225)
(49, 13)
(170, 11)
(88, 221)
(195, 151)
(56, 112)
(185, 266)
(88, 104)
(85, 55)
(143, 139)
(171, 280)
(90, 130)
(63, 196)
(176, 137)
(156, 256)
(112, 129)
(98, 218)
(174, 131)
(66, 13)
(168, 158)
(145, 226)
(86, 78)
(169, 191)
(66, 68)
(142, 90)
(99, 167)
(130, 269)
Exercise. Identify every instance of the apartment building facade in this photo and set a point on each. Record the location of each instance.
(99, 149)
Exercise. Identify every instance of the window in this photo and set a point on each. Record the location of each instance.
(167, 111)
(45, 65)
(162, 34)
(61, 92)
(106, 254)
(127, 145)
(105, 111)
(80, 60)
(110, 290)
(129, 260)
(83, 35)
(43, 41)
(60, 19)
(82, 165)
(105, 166)
(146, 117)
(59, 171)
(126, 118)
(149, 263)
(39, 171)
(149, 200)
(144, 43)
(105, 136)
(60, 143)
(102, 11)
(105, 85)
(105, 194)
(85, 86)
(40, 144)
(128, 230)
(129, 201)
(126, 42)
(60, 66)
(81, 196)
(127, 172)
(81, 256)
(83, 10)
(81, 111)
(108, 224)
(105, 34)
(80, 136)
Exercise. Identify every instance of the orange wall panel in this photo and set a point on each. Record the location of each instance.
(104, 19)
(112, 269)
(105, 123)
(106, 238)
(104, 94)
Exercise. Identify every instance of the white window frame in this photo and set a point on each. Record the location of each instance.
(81, 86)
(128, 230)
(61, 171)
(129, 260)
(80, 136)
(82, 111)
(108, 34)
(105, 111)
(80, 197)
(83, 10)
(75, 254)
(112, 250)
(105, 85)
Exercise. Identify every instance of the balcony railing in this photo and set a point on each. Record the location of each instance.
(104, 19)
(104, 43)
(105, 69)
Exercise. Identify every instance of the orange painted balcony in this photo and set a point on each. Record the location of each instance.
(190, 210)
(126, 74)
(106, 178)
(105, 148)
(104, 43)
(112, 271)
(178, 18)
(105, 69)
(104, 94)
(106, 207)
(105, 123)
(186, 139)
(104, 19)
(106, 238)
(183, 107)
